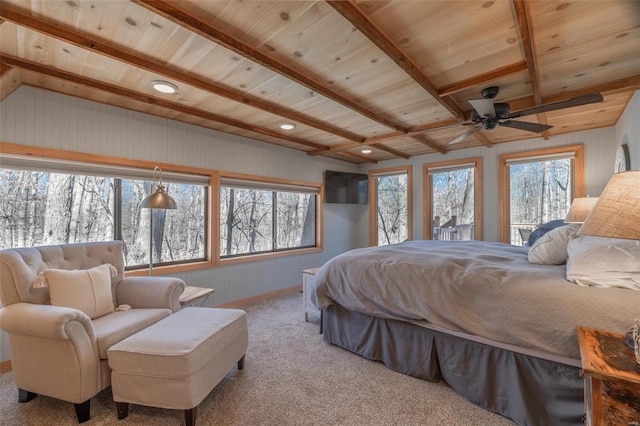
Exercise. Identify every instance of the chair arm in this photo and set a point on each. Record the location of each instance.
(151, 292)
(50, 322)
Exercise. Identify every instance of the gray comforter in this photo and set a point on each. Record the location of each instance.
(479, 288)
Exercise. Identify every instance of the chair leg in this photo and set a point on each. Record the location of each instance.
(82, 411)
(123, 409)
(25, 395)
(190, 416)
(241, 363)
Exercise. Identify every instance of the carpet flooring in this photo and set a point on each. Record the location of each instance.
(291, 377)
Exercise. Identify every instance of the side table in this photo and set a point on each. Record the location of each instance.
(191, 294)
(612, 378)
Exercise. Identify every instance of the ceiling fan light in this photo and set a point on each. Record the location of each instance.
(164, 86)
(366, 151)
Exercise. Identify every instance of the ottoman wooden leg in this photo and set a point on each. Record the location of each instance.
(123, 409)
(190, 416)
(241, 363)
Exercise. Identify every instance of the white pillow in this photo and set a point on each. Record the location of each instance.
(604, 262)
(88, 290)
(551, 248)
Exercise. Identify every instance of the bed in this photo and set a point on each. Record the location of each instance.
(498, 329)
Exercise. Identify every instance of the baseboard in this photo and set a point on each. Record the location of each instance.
(5, 366)
(254, 299)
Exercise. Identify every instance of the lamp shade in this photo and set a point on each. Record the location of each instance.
(580, 209)
(159, 200)
(617, 212)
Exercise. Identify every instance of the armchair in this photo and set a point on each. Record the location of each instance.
(61, 352)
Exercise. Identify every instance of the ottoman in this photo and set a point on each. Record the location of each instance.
(177, 361)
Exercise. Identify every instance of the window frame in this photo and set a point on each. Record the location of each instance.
(373, 200)
(249, 257)
(477, 194)
(97, 159)
(504, 184)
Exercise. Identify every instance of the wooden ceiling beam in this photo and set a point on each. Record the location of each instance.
(4, 69)
(388, 137)
(482, 79)
(525, 30)
(431, 144)
(628, 84)
(151, 100)
(25, 19)
(390, 150)
(175, 14)
(352, 13)
(483, 138)
(358, 157)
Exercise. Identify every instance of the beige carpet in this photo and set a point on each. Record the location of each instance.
(291, 377)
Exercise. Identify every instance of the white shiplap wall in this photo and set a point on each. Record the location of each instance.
(36, 117)
(628, 130)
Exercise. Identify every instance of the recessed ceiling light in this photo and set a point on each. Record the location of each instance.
(287, 126)
(366, 151)
(164, 86)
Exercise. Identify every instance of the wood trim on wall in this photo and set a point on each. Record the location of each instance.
(213, 257)
(373, 201)
(477, 195)
(577, 181)
(251, 300)
(5, 366)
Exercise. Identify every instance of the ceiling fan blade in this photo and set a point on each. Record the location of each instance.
(464, 135)
(484, 107)
(580, 100)
(524, 125)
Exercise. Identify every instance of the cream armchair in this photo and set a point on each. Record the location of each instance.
(59, 351)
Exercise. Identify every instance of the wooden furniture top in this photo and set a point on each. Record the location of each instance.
(311, 271)
(606, 356)
(192, 293)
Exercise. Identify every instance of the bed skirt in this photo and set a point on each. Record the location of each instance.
(526, 389)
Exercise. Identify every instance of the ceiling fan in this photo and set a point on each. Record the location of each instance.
(488, 115)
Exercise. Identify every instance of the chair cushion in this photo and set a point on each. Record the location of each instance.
(112, 328)
(87, 290)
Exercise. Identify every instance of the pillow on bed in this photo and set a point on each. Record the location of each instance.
(551, 248)
(87, 290)
(604, 262)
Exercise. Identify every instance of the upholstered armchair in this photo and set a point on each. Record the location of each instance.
(61, 351)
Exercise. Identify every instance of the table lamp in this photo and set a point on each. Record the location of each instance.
(580, 209)
(616, 214)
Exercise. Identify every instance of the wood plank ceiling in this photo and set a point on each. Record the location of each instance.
(391, 76)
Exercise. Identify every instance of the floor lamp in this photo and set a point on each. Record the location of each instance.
(158, 199)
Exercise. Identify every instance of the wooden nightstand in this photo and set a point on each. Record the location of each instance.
(308, 277)
(611, 378)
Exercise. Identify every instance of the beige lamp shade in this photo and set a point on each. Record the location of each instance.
(580, 209)
(617, 212)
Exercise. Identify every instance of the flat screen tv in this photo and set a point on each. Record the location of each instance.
(343, 187)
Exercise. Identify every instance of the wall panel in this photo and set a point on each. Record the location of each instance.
(36, 117)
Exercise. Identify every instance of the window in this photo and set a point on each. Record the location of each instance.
(259, 217)
(55, 201)
(390, 208)
(453, 200)
(537, 187)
